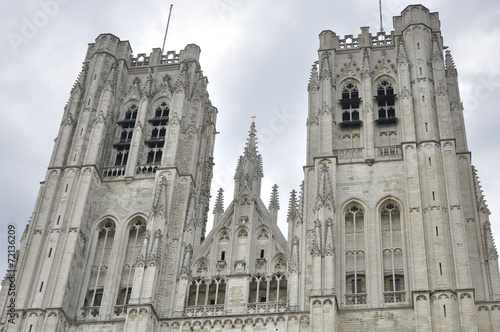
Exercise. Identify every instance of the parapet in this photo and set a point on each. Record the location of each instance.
(109, 43)
(411, 15)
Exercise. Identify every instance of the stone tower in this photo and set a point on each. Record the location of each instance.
(388, 232)
(392, 227)
(126, 192)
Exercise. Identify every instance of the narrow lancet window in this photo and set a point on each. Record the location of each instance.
(392, 254)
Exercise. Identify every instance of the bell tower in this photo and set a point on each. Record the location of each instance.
(126, 191)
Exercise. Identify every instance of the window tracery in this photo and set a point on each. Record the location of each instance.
(268, 289)
(136, 235)
(386, 103)
(100, 264)
(350, 106)
(158, 132)
(355, 256)
(123, 144)
(392, 254)
(203, 291)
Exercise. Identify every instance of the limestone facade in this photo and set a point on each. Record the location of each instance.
(389, 230)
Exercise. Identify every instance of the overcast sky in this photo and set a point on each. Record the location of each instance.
(257, 56)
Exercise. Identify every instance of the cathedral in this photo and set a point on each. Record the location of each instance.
(388, 231)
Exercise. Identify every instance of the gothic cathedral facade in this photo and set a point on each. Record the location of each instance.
(388, 231)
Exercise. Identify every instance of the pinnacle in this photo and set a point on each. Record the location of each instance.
(219, 202)
(292, 205)
(274, 204)
(450, 64)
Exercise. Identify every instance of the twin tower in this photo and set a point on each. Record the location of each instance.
(389, 230)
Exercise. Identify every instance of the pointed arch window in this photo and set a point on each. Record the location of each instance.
(386, 103)
(269, 289)
(354, 238)
(136, 239)
(127, 130)
(100, 264)
(350, 106)
(392, 254)
(207, 292)
(157, 139)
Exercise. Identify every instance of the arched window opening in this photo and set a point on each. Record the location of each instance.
(123, 144)
(121, 158)
(350, 106)
(157, 140)
(137, 231)
(258, 289)
(355, 287)
(268, 290)
(100, 264)
(386, 103)
(392, 254)
(204, 292)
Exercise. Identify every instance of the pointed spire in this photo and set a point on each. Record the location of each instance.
(314, 78)
(481, 201)
(292, 206)
(219, 201)
(274, 204)
(491, 248)
(251, 146)
(249, 171)
(451, 70)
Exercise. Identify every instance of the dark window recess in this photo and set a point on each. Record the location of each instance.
(222, 255)
(161, 115)
(97, 298)
(123, 144)
(395, 285)
(158, 133)
(124, 296)
(130, 117)
(386, 101)
(356, 286)
(154, 156)
(121, 158)
(157, 139)
(262, 253)
(350, 106)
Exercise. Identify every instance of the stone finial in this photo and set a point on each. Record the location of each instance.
(314, 78)
(451, 70)
(219, 202)
(292, 206)
(274, 204)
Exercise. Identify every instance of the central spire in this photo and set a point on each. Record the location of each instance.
(249, 170)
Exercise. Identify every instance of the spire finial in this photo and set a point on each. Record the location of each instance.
(253, 119)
